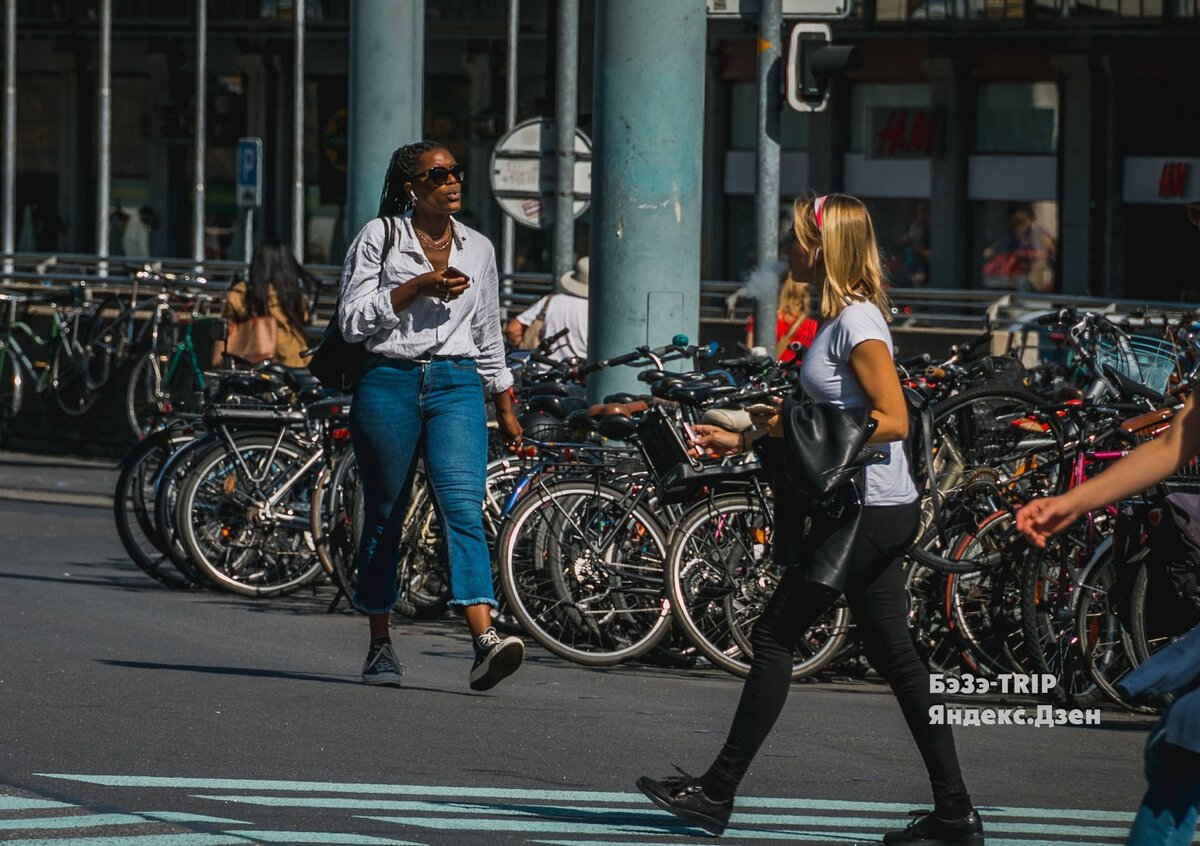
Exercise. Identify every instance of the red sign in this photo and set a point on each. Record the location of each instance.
(1172, 181)
(903, 133)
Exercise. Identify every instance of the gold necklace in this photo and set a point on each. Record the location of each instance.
(435, 244)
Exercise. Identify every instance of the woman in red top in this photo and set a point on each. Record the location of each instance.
(792, 322)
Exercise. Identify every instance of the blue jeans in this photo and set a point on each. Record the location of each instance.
(1167, 816)
(401, 407)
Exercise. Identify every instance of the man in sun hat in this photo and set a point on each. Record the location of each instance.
(566, 308)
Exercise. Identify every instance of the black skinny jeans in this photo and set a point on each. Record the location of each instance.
(879, 604)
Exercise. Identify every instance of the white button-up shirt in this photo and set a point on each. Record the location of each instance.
(468, 326)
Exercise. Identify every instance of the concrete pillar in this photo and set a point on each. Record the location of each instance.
(1079, 235)
(949, 212)
(646, 180)
(387, 60)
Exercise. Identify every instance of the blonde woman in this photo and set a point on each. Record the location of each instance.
(792, 322)
(854, 552)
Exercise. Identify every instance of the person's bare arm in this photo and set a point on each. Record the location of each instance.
(872, 365)
(514, 330)
(1145, 467)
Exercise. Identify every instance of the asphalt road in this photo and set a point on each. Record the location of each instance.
(133, 714)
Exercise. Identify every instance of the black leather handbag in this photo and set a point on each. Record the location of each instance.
(825, 447)
(336, 362)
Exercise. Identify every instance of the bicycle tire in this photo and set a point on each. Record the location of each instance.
(1103, 641)
(590, 603)
(148, 401)
(230, 537)
(105, 342)
(68, 382)
(167, 481)
(133, 501)
(982, 467)
(1154, 611)
(10, 393)
(717, 593)
(1048, 613)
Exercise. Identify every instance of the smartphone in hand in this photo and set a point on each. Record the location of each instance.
(452, 272)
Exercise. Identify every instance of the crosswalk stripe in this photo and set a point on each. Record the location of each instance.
(140, 840)
(258, 836)
(81, 821)
(180, 817)
(596, 813)
(26, 803)
(779, 803)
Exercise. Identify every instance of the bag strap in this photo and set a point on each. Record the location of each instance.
(783, 342)
(545, 305)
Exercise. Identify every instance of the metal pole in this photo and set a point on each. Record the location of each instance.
(508, 231)
(387, 74)
(198, 145)
(565, 117)
(647, 174)
(104, 140)
(299, 9)
(764, 280)
(10, 132)
(248, 237)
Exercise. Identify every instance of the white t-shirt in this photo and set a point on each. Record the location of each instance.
(563, 312)
(826, 376)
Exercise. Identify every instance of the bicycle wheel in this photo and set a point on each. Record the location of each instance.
(993, 449)
(10, 392)
(233, 534)
(104, 340)
(68, 380)
(167, 482)
(159, 385)
(133, 509)
(1048, 592)
(720, 574)
(582, 568)
(1157, 613)
(933, 633)
(1103, 642)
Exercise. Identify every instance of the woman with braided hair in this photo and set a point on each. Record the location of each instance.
(421, 290)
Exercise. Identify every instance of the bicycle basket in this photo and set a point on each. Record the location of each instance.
(1150, 361)
(676, 469)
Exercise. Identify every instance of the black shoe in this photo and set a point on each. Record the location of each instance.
(496, 658)
(381, 666)
(684, 797)
(929, 830)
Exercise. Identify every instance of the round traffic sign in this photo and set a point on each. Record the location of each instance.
(523, 166)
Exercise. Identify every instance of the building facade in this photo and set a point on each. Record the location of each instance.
(1000, 144)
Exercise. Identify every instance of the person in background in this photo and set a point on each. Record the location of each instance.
(566, 308)
(1167, 815)
(271, 290)
(792, 322)
(429, 314)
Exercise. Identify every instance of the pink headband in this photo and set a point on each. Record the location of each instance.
(819, 204)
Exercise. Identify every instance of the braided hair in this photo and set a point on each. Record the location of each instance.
(405, 162)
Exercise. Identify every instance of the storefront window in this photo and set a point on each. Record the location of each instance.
(891, 121)
(1017, 243)
(1017, 118)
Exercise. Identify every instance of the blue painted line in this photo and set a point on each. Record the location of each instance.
(80, 821)
(779, 803)
(141, 840)
(620, 815)
(803, 836)
(322, 837)
(179, 817)
(667, 827)
(26, 803)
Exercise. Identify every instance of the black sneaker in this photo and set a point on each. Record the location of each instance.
(930, 830)
(382, 667)
(684, 797)
(496, 658)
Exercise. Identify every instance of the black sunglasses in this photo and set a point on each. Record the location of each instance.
(441, 175)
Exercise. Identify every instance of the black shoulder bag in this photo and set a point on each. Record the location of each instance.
(336, 362)
(825, 447)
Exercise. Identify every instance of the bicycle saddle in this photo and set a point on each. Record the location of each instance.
(695, 395)
(620, 397)
(549, 389)
(616, 426)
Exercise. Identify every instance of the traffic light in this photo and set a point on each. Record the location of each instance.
(812, 62)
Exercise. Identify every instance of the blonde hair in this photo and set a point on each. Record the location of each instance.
(793, 297)
(848, 252)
